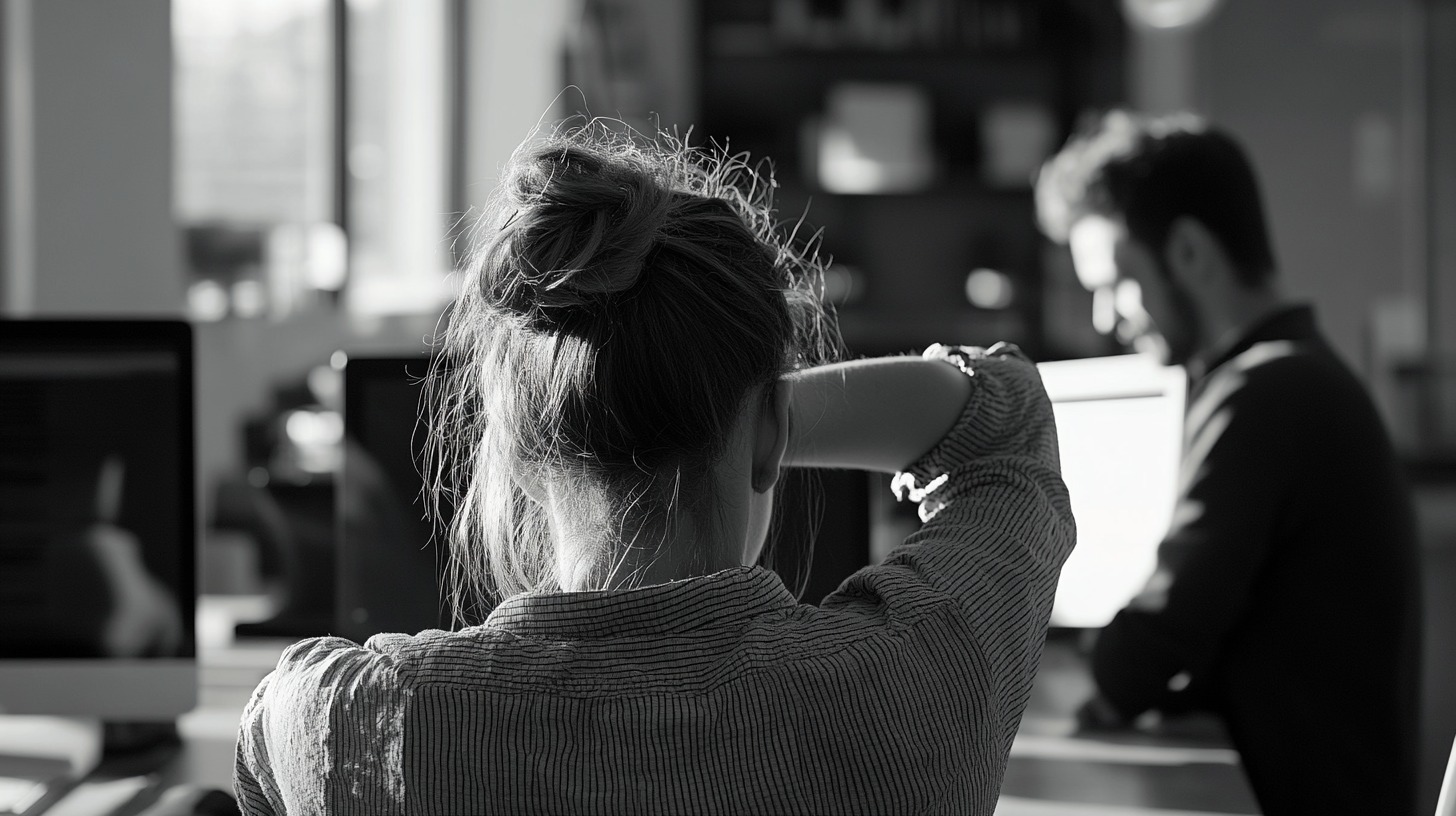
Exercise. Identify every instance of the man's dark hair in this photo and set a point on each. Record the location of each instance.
(1148, 172)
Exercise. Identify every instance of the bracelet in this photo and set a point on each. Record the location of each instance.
(958, 356)
(961, 356)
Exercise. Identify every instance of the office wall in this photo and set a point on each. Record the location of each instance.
(1320, 92)
(95, 139)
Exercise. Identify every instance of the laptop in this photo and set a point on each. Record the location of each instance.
(1120, 431)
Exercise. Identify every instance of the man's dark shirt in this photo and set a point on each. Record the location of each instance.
(1286, 597)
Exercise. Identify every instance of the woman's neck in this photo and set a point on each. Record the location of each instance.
(640, 559)
(722, 527)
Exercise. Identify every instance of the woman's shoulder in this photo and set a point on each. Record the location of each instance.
(327, 663)
(395, 651)
(316, 678)
(348, 703)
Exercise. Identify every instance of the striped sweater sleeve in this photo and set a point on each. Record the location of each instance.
(998, 522)
(335, 713)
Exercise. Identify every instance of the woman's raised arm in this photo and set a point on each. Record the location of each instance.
(875, 414)
(879, 414)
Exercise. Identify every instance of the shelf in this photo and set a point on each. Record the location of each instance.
(912, 25)
(728, 81)
(961, 185)
(765, 82)
(921, 56)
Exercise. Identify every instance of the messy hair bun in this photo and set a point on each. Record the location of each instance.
(582, 226)
(625, 298)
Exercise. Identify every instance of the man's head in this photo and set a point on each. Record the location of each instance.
(1161, 213)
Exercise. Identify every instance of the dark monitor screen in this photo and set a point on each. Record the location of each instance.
(829, 510)
(97, 508)
(390, 569)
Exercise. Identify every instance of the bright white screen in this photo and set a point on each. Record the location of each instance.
(1119, 426)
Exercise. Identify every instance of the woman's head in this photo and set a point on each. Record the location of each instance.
(625, 304)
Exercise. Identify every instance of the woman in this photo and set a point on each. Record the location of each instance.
(631, 363)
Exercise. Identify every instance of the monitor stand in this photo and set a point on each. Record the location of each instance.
(293, 525)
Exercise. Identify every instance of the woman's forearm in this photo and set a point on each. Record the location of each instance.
(877, 414)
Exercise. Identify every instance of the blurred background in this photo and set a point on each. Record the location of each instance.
(298, 177)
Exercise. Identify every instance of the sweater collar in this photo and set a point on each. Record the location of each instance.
(727, 598)
(1294, 322)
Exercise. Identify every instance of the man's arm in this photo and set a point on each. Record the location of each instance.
(1245, 433)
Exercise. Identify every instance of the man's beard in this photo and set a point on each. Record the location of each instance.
(1183, 340)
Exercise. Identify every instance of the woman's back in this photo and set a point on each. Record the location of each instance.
(715, 694)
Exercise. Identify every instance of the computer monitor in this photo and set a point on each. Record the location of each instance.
(389, 568)
(97, 519)
(1120, 429)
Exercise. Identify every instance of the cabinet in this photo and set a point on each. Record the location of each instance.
(969, 86)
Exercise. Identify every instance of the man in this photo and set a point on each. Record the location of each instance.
(1286, 595)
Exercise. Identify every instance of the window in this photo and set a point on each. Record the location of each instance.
(400, 212)
(313, 145)
(254, 120)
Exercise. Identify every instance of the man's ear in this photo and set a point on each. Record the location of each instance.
(1190, 252)
(771, 435)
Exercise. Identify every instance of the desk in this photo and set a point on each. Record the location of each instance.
(1051, 773)
(1189, 770)
(130, 782)
(229, 669)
